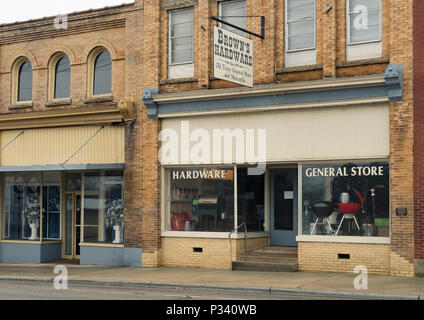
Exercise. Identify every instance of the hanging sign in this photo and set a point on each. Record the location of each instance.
(233, 57)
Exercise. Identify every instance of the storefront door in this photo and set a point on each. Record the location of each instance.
(72, 225)
(283, 207)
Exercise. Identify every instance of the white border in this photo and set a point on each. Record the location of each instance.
(343, 239)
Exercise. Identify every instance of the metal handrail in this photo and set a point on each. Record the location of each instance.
(231, 244)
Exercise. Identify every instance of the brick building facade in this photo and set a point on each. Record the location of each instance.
(332, 103)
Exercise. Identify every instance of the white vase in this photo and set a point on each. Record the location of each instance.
(117, 229)
(34, 227)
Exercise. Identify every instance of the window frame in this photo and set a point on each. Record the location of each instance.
(286, 29)
(52, 77)
(221, 3)
(348, 25)
(170, 63)
(91, 72)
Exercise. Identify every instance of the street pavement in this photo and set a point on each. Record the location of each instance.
(310, 284)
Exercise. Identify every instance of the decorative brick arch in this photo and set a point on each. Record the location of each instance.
(101, 44)
(18, 57)
(58, 50)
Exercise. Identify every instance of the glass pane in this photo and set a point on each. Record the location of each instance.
(182, 50)
(91, 234)
(91, 181)
(292, 3)
(283, 208)
(91, 210)
(68, 226)
(21, 208)
(369, 4)
(113, 215)
(234, 12)
(250, 195)
(372, 33)
(73, 181)
(202, 199)
(301, 12)
(25, 82)
(51, 212)
(62, 86)
(339, 198)
(102, 74)
(301, 35)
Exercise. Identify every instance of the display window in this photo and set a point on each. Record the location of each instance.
(203, 199)
(346, 199)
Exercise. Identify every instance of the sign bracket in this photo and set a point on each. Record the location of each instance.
(262, 35)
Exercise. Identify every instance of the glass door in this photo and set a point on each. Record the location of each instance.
(73, 225)
(283, 206)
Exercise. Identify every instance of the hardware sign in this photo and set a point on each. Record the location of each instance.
(233, 57)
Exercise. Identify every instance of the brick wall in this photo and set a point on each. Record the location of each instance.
(215, 252)
(419, 128)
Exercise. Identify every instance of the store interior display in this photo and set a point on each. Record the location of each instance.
(348, 199)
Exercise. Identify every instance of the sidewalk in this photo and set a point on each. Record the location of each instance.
(320, 284)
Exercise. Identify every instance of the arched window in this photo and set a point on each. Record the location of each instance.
(25, 82)
(102, 77)
(62, 78)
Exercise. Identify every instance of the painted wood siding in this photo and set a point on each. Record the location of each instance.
(53, 146)
(310, 134)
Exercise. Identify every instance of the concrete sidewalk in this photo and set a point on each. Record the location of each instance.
(320, 284)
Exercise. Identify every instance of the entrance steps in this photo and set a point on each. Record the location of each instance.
(278, 259)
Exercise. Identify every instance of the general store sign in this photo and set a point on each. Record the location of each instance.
(233, 57)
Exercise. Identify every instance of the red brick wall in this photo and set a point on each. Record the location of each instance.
(419, 127)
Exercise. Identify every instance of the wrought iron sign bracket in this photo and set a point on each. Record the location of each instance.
(262, 35)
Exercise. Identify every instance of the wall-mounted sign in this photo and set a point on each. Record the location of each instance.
(401, 212)
(212, 174)
(355, 171)
(233, 57)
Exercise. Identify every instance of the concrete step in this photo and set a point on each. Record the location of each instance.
(275, 249)
(267, 258)
(265, 266)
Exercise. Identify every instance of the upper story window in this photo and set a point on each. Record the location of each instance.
(300, 25)
(102, 75)
(62, 78)
(363, 29)
(24, 82)
(233, 12)
(181, 36)
(300, 33)
(181, 43)
(364, 21)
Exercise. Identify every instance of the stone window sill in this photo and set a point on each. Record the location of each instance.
(178, 80)
(312, 67)
(99, 99)
(362, 62)
(21, 105)
(58, 102)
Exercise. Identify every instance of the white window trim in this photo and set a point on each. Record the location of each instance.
(380, 35)
(170, 40)
(286, 29)
(220, 12)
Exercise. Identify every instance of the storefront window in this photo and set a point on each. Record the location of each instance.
(21, 206)
(350, 199)
(201, 199)
(250, 195)
(52, 182)
(103, 207)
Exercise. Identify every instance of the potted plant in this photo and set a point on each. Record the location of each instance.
(31, 212)
(114, 218)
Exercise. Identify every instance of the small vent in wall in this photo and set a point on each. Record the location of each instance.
(199, 250)
(344, 256)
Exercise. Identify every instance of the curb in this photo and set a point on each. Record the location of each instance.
(278, 291)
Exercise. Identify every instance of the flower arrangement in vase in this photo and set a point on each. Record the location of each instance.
(31, 213)
(114, 218)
